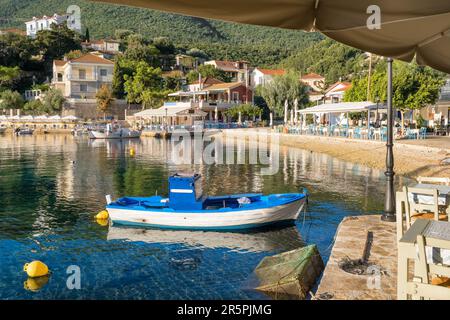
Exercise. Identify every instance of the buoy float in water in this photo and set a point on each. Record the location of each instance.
(102, 222)
(36, 269)
(35, 284)
(132, 152)
(102, 215)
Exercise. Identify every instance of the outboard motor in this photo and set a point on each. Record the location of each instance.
(185, 192)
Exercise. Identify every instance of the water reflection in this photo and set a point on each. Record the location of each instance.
(52, 185)
(276, 240)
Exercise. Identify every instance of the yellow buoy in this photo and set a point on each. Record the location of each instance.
(36, 269)
(102, 222)
(102, 215)
(132, 152)
(35, 284)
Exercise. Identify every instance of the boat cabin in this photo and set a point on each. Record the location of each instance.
(185, 193)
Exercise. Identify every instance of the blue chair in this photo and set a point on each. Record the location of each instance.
(423, 133)
(357, 133)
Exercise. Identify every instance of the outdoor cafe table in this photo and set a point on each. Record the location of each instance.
(407, 249)
(444, 192)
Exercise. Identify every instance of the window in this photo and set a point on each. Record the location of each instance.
(235, 96)
(103, 72)
(83, 88)
(60, 77)
(82, 74)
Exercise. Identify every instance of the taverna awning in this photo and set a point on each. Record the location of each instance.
(186, 93)
(171, 112)
(401, 29)
(342, 107)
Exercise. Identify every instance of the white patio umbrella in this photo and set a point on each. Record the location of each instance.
(240, 118)
(70, 118)
(286, 105)
(271, 119)
(216, 114)
(291, 120)
(401, 29)
(295, 110)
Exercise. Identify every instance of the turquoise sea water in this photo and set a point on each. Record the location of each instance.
(52, 186)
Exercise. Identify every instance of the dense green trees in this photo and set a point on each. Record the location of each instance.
(104, 99)
(220, 40)
(247, 111)
(143, 83)
(11, 100)
(287, 87)
(207, 71)
(414, 87)
(53, 101)
(329, 58)
(8, 77)
(56, 42)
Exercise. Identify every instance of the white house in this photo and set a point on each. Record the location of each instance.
(81, 78)
(108, 46)
(44, 23)
(335, 93)
(260, 76)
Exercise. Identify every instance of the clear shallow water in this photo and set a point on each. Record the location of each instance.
(52, 186)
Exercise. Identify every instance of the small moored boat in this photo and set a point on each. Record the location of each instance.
(24, 131)
(187, 208)
(114, 132)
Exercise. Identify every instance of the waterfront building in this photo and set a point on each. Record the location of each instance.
(237, 70)
(45, 22)
(316, 85)
(211, 95)
(111, 47)
(335, 93)
(438, 115)
(82, 77)
(186, 63)
(261, 77)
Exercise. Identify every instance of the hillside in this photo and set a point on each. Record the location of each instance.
(221, 40)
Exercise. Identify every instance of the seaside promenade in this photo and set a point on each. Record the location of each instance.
(413, 158)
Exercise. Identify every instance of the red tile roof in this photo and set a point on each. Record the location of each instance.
(345, 86)
(208, 80)
(312, 76)
(86, 58)
(59, 62)
(226, 65)
(272, 72)
(92, 58)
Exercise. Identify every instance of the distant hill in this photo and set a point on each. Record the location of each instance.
(259, 45)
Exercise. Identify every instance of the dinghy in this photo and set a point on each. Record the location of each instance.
(187, 208)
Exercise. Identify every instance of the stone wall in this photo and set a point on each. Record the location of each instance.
(88, 110)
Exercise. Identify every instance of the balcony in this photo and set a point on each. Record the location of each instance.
(96, 78)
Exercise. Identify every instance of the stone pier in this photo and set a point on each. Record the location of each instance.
(374, 242)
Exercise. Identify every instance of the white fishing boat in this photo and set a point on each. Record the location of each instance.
(187, 208)
(114, 132)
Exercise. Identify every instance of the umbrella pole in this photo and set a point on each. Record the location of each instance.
(389, 205)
